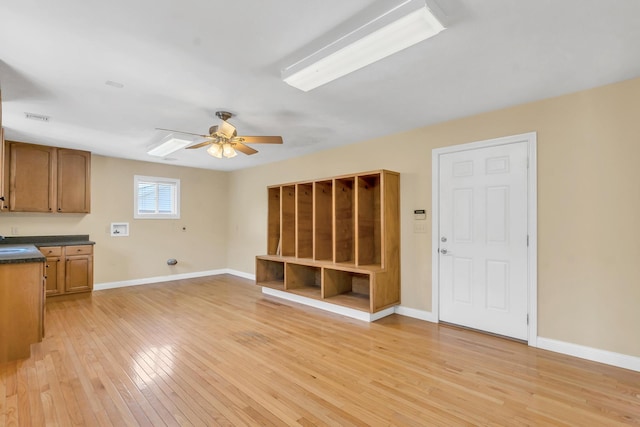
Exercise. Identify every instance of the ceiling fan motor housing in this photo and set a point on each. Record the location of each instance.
(224, 115)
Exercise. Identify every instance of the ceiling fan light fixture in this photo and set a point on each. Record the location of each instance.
(228, 150)
(222, 140)
(168, 146)
(399, 28)
(215, 150)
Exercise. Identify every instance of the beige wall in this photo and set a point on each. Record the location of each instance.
(588, 204)
(144, 253)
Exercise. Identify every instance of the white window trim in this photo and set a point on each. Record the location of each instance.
(159, 180)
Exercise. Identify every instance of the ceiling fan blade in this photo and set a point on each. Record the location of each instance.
(186, 133)
(202, 144)
(227, 129)
(260, 139)
(244, 149)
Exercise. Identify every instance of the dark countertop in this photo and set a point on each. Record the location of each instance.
(16, 250)
(19, 254)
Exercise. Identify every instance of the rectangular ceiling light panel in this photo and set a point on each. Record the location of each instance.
(409, 23)
(169, 146)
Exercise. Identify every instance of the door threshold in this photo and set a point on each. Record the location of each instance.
(453, 325)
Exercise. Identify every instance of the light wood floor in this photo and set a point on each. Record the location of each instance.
(214, 351)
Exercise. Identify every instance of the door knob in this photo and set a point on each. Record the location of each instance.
(444, 251)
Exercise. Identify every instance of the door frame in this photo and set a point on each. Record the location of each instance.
(532, 223)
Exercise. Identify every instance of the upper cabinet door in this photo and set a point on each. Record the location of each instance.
(48, 179)
(74, 186)
(32, 172)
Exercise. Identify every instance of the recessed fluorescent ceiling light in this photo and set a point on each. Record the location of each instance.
(169, 146)
(114, 84)
(405, 25)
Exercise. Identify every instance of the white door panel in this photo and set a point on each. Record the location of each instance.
(483, 239)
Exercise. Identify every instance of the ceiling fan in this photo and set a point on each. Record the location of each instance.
(224, 139)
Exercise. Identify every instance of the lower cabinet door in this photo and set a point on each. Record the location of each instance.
(78, 273)
(54, 276)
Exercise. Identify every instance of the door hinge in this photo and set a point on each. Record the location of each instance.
(527, 163)
(527, 318)
(527, 240)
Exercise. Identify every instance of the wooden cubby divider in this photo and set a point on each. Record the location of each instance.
(288, 221)
(323, 221)
(304, 220)
(347, 288)
(344, 237)
(304, 279)
(369, 237)
(336, 240)
(273, 234)
(270, 274)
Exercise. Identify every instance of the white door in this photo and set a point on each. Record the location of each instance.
(483, 239)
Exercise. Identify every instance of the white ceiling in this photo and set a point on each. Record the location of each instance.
(180, 61)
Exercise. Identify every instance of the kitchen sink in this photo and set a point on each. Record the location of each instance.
(8, 251)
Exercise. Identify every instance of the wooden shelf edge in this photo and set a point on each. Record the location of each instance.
(307, 291)
(351, 300)
(342, 266)
(331, 178)
(272, 284)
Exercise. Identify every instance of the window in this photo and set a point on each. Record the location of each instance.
(156, 198)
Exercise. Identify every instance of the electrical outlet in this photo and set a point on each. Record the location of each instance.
(14, 231)
(419, 227)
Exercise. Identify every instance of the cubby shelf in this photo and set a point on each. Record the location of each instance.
(336, 240)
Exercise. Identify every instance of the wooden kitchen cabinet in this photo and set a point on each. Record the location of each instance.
(48, 179)
(69, 269)
(73, 186)
(3, 193)
(54, 270)
(21, 309)
(31, 177)
(78, 268)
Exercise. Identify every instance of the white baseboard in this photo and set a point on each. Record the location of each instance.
(159, 279)
(338, 309)
(595, 355)
(241, 274)
(589, 353)
(416, 314)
